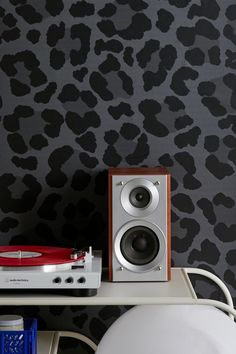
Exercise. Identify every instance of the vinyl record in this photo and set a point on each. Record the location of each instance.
(33, 256)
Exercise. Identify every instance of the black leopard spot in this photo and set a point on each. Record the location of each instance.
(212, 143)
(11, 35)
(112, 45)
(56, 178)
(208, 253)
(214, 55)
(29, 14)
(69, 93)
(178, 80)
(139, 25)
(168, 56)
(11, 122)
(129, 131)
(209, 9)
(231, 60)
(69, 211)
(80, 74)
(82, 33)
(195, 56)
(183, 203)
(232, 156)
(28, 198)
(111, 137)
(144, 55)
(28, 163)
(57, 59)
(229, 33)
(230, 141)
(9, 20)
(150, 109)
(127, 82)
(225, 233)
(229, 81)
(88, 161)
(182, 244)
(8, 223)
(186, 160)
(166, 161)
(18, 88)
(47, 209)
(110, 64)
(208, 210)
(219, 169)
(80, 180)
(231, 257)
(88, 98)
(108, 10)
(99, 85)
(179, 3)
(33, 36)
(206, 88)
(188, 138)
(79, 125)
(17, 143)
(190, 182)
(165, 19)
(137, 5)
(54, 8)
(231, 12)
(111, 157)
(230, 120)
(183, 122)
(38, 142)
(45, 95)
(87, 141)
(82, 9)
(214, 106)
(54, 121)
(55, 33)
(128, 59)
(174, 103)
(123, 108)
(222, 199)
(140, 153)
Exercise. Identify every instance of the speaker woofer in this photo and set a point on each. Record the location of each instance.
(139, 245)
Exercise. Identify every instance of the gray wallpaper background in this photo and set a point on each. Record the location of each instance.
(87, 85)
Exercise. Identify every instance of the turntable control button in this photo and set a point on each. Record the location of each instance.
(57, 280)
(69, 280)
(81, 280)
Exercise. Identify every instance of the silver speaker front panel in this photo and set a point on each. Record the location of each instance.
(154, 216)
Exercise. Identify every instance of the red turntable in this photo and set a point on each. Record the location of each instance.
(50, 268)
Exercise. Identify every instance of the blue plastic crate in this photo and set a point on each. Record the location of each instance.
(20, 342)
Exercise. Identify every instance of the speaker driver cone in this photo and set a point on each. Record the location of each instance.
(139, 197)
(139, 245)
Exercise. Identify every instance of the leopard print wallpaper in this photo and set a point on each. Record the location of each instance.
(88, 85)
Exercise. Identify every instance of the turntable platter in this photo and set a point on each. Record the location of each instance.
(35, 256)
